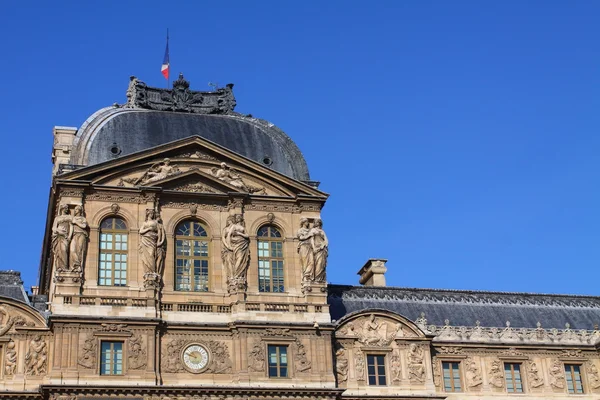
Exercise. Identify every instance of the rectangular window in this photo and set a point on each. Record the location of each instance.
(451, 376)
(191, 265)
(376, 368)
(111, 362)
(573, 376)
(512, 375)
(278, 361)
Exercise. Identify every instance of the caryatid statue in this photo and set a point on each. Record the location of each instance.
(152, 247)
(236, 239)
(320, 247)
(226, 250)
(62, 231)
(305, 251)
(79, 240)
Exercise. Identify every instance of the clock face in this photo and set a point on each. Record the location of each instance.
(195, 358)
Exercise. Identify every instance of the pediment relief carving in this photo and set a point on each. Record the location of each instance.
(375, 330)
(12, 317)
(212, 177)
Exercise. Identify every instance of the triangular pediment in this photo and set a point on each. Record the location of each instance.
(193, 165)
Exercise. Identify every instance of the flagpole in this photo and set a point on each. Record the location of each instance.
(169, 78)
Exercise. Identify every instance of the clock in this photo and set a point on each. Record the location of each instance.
(195, 358)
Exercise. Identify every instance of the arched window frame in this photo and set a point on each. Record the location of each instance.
(271, 262)
(113, 252)
(192, 259)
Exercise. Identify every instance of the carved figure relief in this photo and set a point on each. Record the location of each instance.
(136, 352)
(301, 361)
(221, 361)
(496, 374)
(593, 375)
(36, 357)
(359, 365)
(396, 366)
(8, 319)
(341, 365)
(437, 373)
(472, 373)
(88, 355)
(229, 175)
(157, 172)
(376, 332)
(62, 231)
(256, 359)
(79, 240)
(535, 378)
(10, 362)
(151, 248)
(236, 253)
(557, 374)
(171, 360)
(416, 367)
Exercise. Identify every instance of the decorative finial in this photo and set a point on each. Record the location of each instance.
(181, 83)
(539, 324)
(508, 324)
(567, 325)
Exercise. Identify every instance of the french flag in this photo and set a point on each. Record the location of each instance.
(164, 69)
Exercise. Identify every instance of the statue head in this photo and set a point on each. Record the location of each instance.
(318, 223)
(166, 161)
(11, 345)
(230, 220)
(150, 214)
(63, 209)
(303, 222)
(224, 165)
(239, 218)
(78, 211)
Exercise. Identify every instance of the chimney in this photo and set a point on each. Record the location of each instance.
(63, 142)
(373, 272)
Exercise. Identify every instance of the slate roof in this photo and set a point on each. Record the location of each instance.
(154, 116)
(464, 308)
(11, 285)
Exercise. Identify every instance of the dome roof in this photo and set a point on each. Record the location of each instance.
(154, 116)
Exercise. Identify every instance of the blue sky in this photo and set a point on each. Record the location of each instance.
(457, 139)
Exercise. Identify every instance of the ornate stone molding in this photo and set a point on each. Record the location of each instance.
(180, 98)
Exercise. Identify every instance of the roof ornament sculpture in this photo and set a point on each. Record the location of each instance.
(180, 98)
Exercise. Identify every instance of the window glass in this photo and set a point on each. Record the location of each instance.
(451, 371)
(111, 359)
(573, 377)
(512, 375)
(113, 253)
(191, 257)
(278, 361)
(270, 260)
(376, 369)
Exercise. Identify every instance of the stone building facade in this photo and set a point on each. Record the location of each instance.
(185, 258)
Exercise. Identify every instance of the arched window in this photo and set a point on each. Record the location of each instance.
(113, 252)
(270, 259)
(191, 257)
